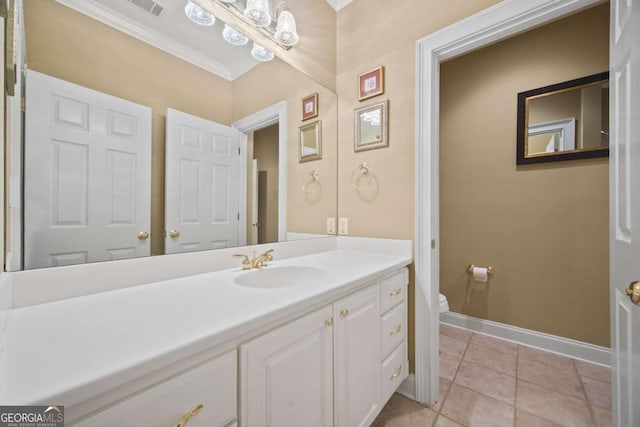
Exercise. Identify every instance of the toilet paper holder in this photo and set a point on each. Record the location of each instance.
(471, 267)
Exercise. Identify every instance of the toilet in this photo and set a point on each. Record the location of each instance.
(444, 304)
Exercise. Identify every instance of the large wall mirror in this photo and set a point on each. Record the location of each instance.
(564, 121)
(147, 134)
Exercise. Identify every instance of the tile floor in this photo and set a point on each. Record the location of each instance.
(486, 381)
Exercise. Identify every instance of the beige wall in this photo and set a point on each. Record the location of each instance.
(304, 214)
(544, 228)
(71, 46)
(373, 33)
(265, 149)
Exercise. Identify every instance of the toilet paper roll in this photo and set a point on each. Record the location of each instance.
(480, 274)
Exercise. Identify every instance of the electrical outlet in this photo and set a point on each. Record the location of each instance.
(343, 226)
(331, 225)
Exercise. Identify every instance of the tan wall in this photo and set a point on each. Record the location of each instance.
(265, 149)
(253, 92)
(71, 46)
(380, 32)
(544, 228)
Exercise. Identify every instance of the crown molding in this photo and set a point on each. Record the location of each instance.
(128, 26)
(337, 5)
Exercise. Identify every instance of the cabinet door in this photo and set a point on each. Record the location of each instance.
(357, 358)
(287, 375)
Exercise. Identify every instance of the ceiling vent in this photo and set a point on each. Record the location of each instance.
(148, 6)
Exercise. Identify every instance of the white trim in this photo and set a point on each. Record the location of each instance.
(566, 128)
(547, 342)
(503, 20)
(242, 190)
(277, 113)
(407, 387)
(337, 5)
(134, 29)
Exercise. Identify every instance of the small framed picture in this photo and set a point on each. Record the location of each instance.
(310, 106)
(371, 83)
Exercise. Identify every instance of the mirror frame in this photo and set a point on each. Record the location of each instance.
(358, 144)
(523, 123)
(316, 127)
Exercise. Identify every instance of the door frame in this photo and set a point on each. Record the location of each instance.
(501, 21)
(276, 113)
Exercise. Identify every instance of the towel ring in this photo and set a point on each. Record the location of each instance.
(308, 185)
(356, 176)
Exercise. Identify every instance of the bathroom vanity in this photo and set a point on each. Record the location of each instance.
(320, 337)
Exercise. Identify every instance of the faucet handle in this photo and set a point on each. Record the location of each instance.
(268, 255)
(246, 262)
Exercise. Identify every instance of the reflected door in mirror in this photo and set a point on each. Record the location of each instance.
(202, 185)
(88, 166)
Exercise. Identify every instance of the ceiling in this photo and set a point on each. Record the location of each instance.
(174, 33)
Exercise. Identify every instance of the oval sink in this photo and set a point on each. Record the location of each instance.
(280, 277)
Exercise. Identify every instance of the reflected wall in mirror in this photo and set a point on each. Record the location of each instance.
(371, 129)
(564, 121)
(311, 141)
(69, 46)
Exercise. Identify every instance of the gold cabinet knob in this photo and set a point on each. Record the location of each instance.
(143, 235)
(634, 292)
(174, 234)
(329, 321)
(344, 313)
(190, 413)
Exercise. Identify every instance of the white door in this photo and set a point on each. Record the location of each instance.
(254, 207)
(625, 209)
(357, 358)
(87, 192)
(286, 376)
(202, 185)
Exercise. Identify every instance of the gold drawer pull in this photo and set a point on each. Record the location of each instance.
(344, 313)
(329, 321)
(190, 413)
(396, 330)
(395, 292)
(396, 373)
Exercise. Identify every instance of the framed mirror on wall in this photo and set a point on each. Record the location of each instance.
(564, 121)
(310, 140)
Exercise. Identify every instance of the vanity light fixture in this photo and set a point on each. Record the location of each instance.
(198, 15)
(278, 24)
(260, 53)
(286, 28)
(233, 36)
(257, 12)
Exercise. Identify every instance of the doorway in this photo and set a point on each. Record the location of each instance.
(265, 188)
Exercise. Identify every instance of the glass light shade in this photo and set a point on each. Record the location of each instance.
(286, 30)
(233, 36)
(198, 15)
(257, 11)
(260, 53)
(228, 1)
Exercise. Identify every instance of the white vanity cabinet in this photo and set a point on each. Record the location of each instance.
(337, 366)
(213, 385)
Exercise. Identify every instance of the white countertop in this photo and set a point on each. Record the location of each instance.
(67, 351)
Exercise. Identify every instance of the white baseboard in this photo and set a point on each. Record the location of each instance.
(552, 343)
(408, 387)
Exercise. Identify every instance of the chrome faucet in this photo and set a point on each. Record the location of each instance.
(259, 261)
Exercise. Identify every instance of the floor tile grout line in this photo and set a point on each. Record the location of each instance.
(466, 347)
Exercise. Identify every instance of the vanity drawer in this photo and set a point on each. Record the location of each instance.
(394, 290)
(393, 329)
(394, 371)
(212, 384)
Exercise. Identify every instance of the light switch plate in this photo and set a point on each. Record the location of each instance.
(331, 225)
(343, 226)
